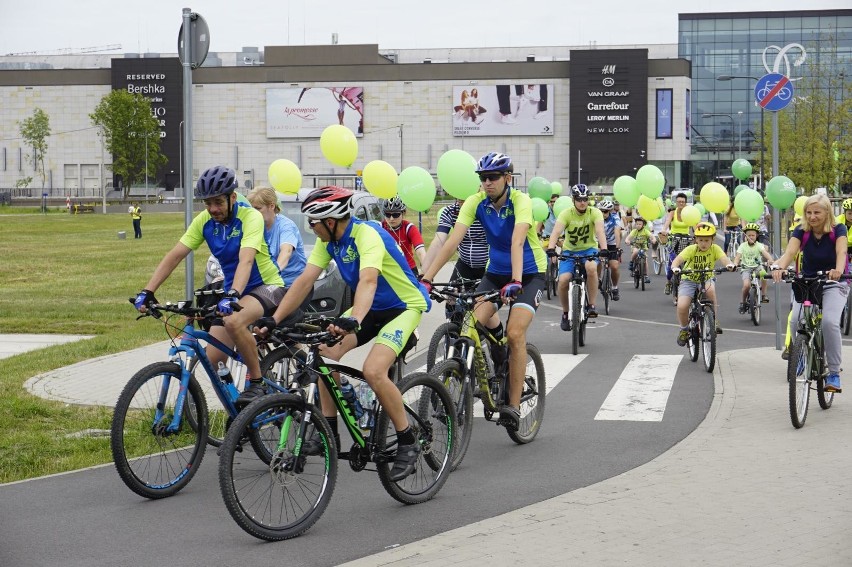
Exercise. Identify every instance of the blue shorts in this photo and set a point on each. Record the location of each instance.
(567, 266)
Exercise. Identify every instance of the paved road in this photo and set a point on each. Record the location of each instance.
(92, 515)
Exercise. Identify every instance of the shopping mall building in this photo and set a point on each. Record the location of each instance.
(564, 113)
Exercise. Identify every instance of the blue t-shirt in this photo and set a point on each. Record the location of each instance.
(285, 231)
(610, 224)
(818, 254)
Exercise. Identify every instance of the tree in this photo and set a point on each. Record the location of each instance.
(813, 130)
(131, 133)
(35, 130)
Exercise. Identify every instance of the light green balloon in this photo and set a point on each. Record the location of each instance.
(416, 188)
(540, 210)
(741, 169)
(539, 187)
(562, 203)
(650, 181)
(781, 192)
(739, 188)
(556, 188)
(625, 191)
(457, 174)
(749, 205)
(700, 208)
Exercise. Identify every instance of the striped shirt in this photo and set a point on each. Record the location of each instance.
(473, 249)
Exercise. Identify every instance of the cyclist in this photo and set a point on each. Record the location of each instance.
(234, 233)
(388, 304)
(582, 226)
(516, 264)
(472, 250)
(749, 256)
(406, 235)
(733, 224)
(612, 230)
(702, 255)
(281, 234)
(639, 238)
(823, 244)
(679, 235)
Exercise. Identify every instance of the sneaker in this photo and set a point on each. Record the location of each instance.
(508, 119)
(718, 329)
(591, 312)
(615, 295)
(250, 394)
(647, 279)
(565, 324)
(510, 418)
(669, 287)
(785, 354)
(832, 383)
(764, 299)
(405, 461)
(682, 337)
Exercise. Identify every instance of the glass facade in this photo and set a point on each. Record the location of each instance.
(733, 45)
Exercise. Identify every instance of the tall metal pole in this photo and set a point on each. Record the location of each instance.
(187, 139)
(400, 148)
(146, 164)
(103, 189)
(776, 234)
(762, 183)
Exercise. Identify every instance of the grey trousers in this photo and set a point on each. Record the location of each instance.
(833, 302)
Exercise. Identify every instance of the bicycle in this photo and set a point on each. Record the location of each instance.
(702, 320)
(755, 293)
(470, 371)
(806, 366)
(734, 236)
(605, 287)
(660, 256)
(161, 423)
(282, 496)
(578, 298)
(639, 267)
(552, 273)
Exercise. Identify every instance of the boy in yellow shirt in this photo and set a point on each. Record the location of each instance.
(639, 238)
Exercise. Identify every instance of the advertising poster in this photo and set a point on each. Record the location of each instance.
(688, 113)
(502, 110)
(305, 112)
(664, 113)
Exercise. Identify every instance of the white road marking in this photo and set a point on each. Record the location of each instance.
(642, 390)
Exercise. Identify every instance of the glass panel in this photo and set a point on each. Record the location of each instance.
(793, 23)
(740, 24)
(775, 23)
(706, 25)
(757, 23)
(724, 24)
(810, 22)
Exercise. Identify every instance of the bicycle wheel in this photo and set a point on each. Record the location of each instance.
(582, 336)
(708, 339)
(151, 461)
(451, 374)
(441, 340)
(642, 273)
(548, 278)
(435, 432)
(282, 498)
(606, 288)
(754, 306)
(636, 276)
(554, 278)
(847, 317)
(693, 343)
(657, 259)
(799, 370)
(532, 399)
(575, 318)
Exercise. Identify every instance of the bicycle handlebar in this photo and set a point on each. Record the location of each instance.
(707, 271)
(790, 276)
(310, 333)
(571, 256)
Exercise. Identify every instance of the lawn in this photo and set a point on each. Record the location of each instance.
(71, 274)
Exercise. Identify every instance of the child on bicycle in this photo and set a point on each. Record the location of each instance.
(748, 258)
(639, 238)
(702, 255)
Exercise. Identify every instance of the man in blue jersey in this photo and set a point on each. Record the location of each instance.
(234, 233)
(516, 264)
(387, 305)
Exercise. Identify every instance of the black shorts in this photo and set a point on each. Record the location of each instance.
(530, 296)
(463, 270)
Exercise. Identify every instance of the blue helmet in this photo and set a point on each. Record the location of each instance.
(215, 181)
(579, 190)
(494, 162)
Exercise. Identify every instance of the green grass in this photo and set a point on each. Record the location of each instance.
(70, 274)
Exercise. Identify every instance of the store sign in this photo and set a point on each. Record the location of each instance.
(306, 112)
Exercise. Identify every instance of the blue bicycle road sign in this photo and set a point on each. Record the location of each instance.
(773, 91)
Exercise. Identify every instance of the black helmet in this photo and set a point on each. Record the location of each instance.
(215, 181)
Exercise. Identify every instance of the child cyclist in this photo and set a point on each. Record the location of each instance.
(639, 238)
(702, 255)
(748, 257)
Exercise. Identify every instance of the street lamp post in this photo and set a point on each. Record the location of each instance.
(740, 131)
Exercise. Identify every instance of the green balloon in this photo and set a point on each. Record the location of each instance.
(416, 188)
(625, 191)
(781, 192)
(650, 181)
(741, 169)
(739, 188)
(540, 210)
(700, 208)
(457, 174)
(749, 205)
(539, 187)
(556, 188)
(562, 203)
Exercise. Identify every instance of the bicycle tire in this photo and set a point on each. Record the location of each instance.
(693, 343)
(548, 278)
(451, 374)
(273, 500)
(606, 288)
(636, 277)
(283, 366)
(708, 339)
(848, 317)
(799, 368)
(656, 259)
(435, 431)
(156, 465)
(642, 273)
(441, 340)
(533, 398)
(575, 318)
(754, 306)
(582, 338)
(554, 280)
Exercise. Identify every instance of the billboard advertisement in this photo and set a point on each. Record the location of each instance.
(305, 112)
(664, 113)
(502, 110)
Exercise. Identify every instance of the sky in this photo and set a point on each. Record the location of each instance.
(140, 26)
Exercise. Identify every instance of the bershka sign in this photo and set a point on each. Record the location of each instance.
(609, 112)
(161, 80)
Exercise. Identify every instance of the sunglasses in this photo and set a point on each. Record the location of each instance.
(393, 215)
(581, 199)
(313, 223)
(490, 176)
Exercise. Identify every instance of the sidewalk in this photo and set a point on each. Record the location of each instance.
(745, 488)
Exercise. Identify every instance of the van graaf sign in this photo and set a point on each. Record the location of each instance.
(609, 111)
